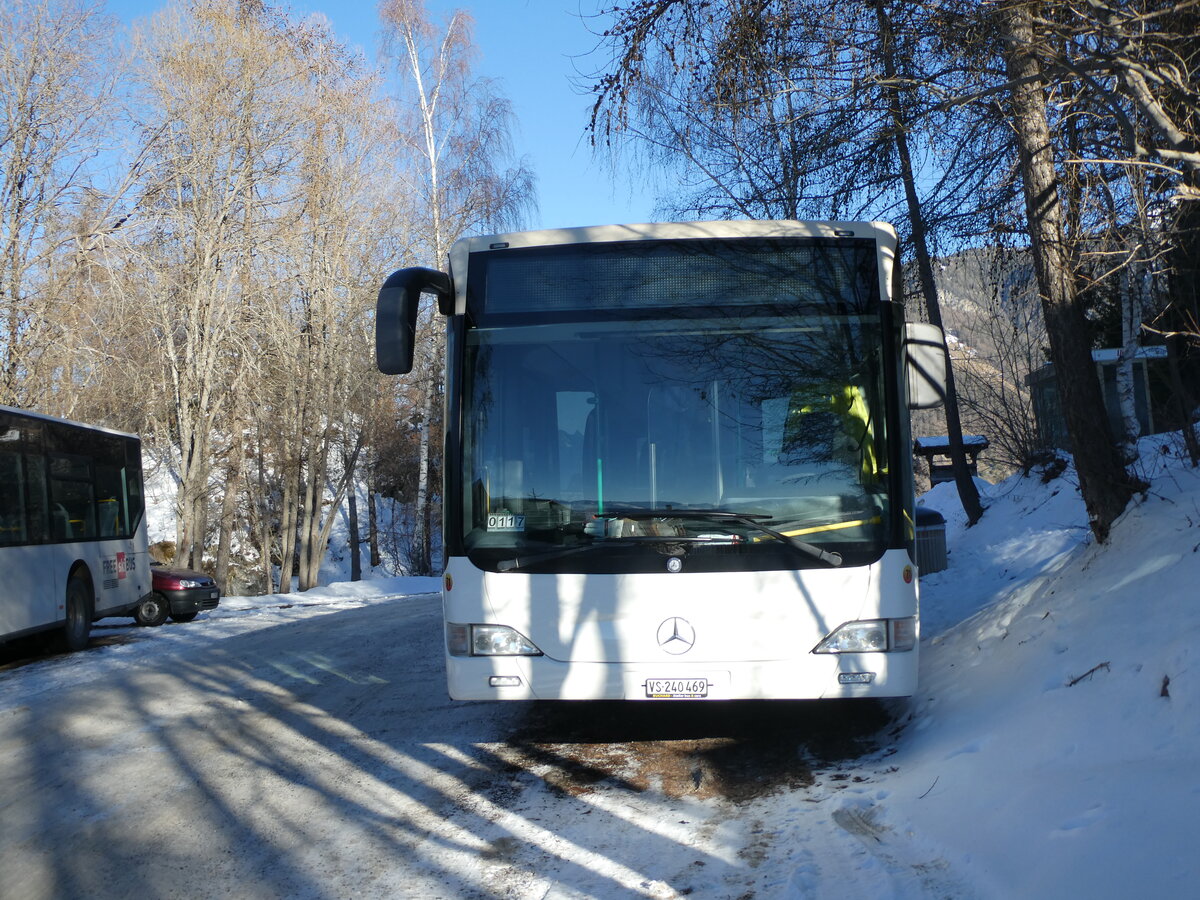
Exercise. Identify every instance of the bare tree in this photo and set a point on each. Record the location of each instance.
(785, 108)
(208, 73)
(307, 270)
(56, 88)
(1137, 64)
(1105, 485)
(231, 270)
(842, 115)
(456, 126)
(255, 254)
(337, 273)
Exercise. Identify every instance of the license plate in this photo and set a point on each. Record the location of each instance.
(676, 688)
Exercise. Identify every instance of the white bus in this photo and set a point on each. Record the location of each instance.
(677, 460)
(72, 526)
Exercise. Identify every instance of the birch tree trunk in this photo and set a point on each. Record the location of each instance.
(350, 466)
(373, 521)
(428, 98)
(457, 127)
(312, 551)
(1131, 321)
(287, 525)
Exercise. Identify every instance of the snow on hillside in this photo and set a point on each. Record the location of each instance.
(1054, 749)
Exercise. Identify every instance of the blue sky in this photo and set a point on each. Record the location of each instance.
(536, 49)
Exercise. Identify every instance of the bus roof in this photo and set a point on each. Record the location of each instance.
(652, 231)
(662, 231)
(30, 414)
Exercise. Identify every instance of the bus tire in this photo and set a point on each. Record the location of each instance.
(78, 627)
(183, 617)
(152, 610)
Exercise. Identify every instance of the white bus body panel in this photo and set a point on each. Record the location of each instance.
(751, 634)
(35, 580)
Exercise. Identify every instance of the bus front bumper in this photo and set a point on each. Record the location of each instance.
(813, 677)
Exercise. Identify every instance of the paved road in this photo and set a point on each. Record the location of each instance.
(321, 758)
(292, 761)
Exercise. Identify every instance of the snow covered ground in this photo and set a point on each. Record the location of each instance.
(300, 745)
(1054, 748)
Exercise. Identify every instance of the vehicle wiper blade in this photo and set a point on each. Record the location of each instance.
(753, 520)
(668, 512)
(521, 562)
(829, 557)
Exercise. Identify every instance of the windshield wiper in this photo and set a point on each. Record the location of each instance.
(753, 520)
(521, 562)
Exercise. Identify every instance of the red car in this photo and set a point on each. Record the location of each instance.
(179, 593)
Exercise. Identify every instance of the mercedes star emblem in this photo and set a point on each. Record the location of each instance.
(676, 635)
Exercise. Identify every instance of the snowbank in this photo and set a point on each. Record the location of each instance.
(1054, 748)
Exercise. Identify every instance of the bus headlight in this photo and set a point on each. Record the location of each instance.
(500, 640)
(487, 640)
(871, 636)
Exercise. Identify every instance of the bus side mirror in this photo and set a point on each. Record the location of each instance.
(396, 315)
(925, 364)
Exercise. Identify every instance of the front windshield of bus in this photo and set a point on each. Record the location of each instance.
(715, 420)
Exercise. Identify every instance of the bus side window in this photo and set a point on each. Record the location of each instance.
(23, 518)
(109, 517)
(108, 506)
(12, 500)
(72, 491)
(37, 514)
(60, 520)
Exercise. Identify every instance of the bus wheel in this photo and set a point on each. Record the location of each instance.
(78, 626)
(152, 610)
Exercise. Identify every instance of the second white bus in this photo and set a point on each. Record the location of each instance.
(72, 526)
